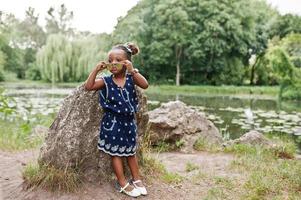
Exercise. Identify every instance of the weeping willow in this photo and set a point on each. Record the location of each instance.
(64, 60)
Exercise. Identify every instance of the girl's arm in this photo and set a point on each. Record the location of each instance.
(140, 80)
(137, 77)
(91, 83)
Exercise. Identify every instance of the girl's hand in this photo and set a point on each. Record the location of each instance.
(129, 65)
(100, 66)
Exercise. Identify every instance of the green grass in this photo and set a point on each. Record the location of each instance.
(151, 167)
(164, 146)
(268, 176)
(202, 145)
(172, 177)
(216, 90)
(15, 135)
(170, 89)
(271, 172)
(51, 178)
(191, 167)
(283, 147)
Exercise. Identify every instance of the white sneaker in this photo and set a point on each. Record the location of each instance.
(141, 189)
(133, 193)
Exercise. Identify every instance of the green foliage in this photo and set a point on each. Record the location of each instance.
(62, 60)
(188, 42)
(286, 24)
(59, 21)
(280, 65)
(5, 109)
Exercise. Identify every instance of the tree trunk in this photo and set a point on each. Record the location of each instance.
(178, 56)
(253, 69)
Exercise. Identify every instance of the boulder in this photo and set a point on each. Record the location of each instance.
(252, 137)
(174, 121)
(71, 141)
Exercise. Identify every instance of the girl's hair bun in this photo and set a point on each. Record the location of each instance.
(134, 48)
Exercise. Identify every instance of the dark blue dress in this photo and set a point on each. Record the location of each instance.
(118, 127)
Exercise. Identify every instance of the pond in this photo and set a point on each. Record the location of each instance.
(233, 115)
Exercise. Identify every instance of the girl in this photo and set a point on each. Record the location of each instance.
(118, 129)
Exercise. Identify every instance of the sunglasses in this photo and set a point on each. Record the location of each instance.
(110, 66)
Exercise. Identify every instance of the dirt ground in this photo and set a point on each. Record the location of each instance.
(190, 187)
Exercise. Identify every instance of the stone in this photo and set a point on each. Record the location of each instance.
(252, 137)
(174, 121)
(71, 140)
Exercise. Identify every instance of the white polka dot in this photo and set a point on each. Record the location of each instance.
(112, 89)
(133, 90)
(112, 98)
(106, 136)
(113, 137)
(118, 111)
(118, 94)
(127, 78)
(130, 131)
(119, 102)
(133, 139)
(107, 123)
(119, 130)
(129, 84)
(125, 124)
(131, 123)
(121, 138)
(126, 109)
(114, 105)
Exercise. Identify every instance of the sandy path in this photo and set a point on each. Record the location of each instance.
(11, 179)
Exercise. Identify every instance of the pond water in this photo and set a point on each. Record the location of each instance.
(233, 116)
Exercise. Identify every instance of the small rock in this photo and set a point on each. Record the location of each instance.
(252, 137)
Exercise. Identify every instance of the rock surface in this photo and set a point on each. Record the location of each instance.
(252, 137)
(174, 121)
(72, 137)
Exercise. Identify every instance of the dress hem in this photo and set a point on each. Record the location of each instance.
(114, 154)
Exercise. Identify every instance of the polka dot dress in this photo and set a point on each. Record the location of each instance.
(118, 127)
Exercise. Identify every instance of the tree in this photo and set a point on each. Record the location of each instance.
(32, 34)
(60, 21)
(65, 60)
(172, 30)
(285, 24)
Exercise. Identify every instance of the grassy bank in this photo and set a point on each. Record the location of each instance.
(168, 89)
(214, 90)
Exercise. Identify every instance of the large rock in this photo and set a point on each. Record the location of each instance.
(72, 138)
(252, 137)
(174, 121)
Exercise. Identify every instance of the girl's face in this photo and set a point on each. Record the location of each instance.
(117, 56)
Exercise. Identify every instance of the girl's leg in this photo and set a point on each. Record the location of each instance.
(133, 164)
(118, 169)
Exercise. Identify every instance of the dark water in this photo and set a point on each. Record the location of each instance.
(233, 116)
